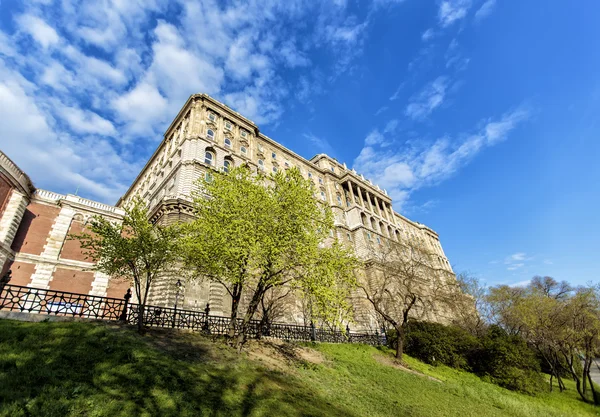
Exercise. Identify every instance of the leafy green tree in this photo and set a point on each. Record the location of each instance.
(134, 249)
(253, 233)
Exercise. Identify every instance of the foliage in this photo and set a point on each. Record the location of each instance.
(254, 232)
(436, 344)
(95, 369)
(561, 323)
(134, 249)
(508, 361)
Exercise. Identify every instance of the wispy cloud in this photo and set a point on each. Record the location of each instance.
(431, 97)
(516, 261)
(381, 110)
(320, 143)
(427, 35)
(451, 11)
(485, 10)
(96, 86)
(417, 164)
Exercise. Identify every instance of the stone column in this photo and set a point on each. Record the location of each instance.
(360, 197)
(11, 218)
(369, 200)
(383, 211)
(350, 192)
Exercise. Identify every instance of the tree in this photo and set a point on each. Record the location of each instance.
(402, 277)
(134, 249)
(254, 233)
(472, 298)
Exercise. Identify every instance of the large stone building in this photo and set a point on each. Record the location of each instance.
(206, 135)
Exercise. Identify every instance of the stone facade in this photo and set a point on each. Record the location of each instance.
(206, 136)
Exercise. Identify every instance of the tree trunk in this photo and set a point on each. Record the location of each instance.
(140, 319)
(576, 378)
(399, 342)
(593, 389)
(236, 296)
(252, 307)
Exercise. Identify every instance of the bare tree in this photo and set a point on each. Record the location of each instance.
(404, 280)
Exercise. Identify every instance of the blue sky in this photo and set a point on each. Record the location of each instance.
(480, 117)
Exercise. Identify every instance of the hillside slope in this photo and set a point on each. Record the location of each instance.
(100, 369)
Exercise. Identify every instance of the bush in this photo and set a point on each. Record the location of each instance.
(436, 344)
(508, 361)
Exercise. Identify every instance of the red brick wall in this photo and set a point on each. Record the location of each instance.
(71, 280)
(117, 287)
(34, 228)
(5, 192)
(71, 248)
(21, 273)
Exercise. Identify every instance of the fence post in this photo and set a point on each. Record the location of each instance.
(313, 332)
(348, 333)
(126, 297)
(206, 326)
(5, 279)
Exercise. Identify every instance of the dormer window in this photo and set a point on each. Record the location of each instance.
(227, 142)
(228, 125)
(210, 133)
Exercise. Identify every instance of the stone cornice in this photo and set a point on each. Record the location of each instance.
(15, 175)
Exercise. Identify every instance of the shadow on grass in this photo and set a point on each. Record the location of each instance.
(62, 369)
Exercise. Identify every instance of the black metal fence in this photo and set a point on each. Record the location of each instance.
(61, 303)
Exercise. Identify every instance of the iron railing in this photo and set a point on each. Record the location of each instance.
(62, 303)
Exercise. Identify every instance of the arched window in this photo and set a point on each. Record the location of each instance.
(227, 164)
(228, 142)
(363, 219)
(210, 133)
(339, 199)
(209, 157)
(323, 195)
(381, 227)
(261, 164)
(243, 150)
(373, 224)
(273, 155)
(275, 169)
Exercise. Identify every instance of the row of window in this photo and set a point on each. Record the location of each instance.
(228, 125)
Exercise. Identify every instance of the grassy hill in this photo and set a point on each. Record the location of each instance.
(100, 369)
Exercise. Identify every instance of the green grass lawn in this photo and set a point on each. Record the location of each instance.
(91, 369)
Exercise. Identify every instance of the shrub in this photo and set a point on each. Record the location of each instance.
(508, 361)
(436, 344)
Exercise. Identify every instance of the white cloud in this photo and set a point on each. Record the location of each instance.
(451, 11)
(516, 261)
(39, 30)
(415, 164)
(485, 10)
(397, 92)
(428, 35)
(391, 126)
(85, 121)
(381, 110)
(431, 97)
(322, 144)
